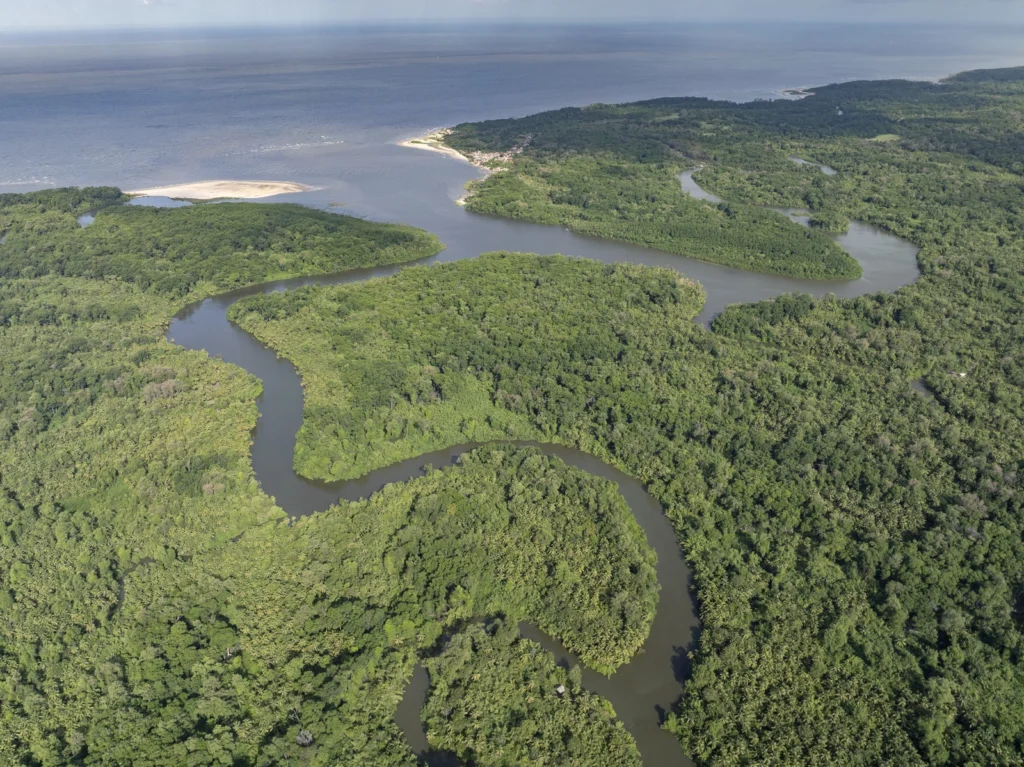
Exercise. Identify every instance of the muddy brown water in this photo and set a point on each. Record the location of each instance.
(650, 685)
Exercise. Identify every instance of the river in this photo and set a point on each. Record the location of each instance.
(646, 688)
(888, 261)
(327, 107)
(641, 691)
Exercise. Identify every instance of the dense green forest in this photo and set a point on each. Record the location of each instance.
(857, 546)
(855, 557)
(605, 195)
(185, 252)
(400, 367)
(609, 170)
(843, 474)
(495, 702)
(156, 609)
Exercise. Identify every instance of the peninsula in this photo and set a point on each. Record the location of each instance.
(487, 161)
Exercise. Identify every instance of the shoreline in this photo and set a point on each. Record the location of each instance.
(219, 190)
(794, 93)
(434, 142)
(488, 162)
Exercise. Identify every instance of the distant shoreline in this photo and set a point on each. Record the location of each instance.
(794, 93)
(216, 190)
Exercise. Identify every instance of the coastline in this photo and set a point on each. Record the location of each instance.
(794, 93)
(488, 162)
(217, 190)
(434, 142)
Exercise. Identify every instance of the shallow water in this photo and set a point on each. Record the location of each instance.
(695, 190)
(155, 201)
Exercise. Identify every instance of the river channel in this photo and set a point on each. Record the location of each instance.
(646, 688)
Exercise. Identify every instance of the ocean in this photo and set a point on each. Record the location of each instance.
(325, 107)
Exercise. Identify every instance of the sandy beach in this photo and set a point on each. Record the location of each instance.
(434, 142)
(488, 162)
(215, 190)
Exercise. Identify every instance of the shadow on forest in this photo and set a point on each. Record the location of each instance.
(439, 759)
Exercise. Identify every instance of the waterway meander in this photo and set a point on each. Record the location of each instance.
(646, 688)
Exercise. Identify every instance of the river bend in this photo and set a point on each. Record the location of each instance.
(641, 692)
(645, 689)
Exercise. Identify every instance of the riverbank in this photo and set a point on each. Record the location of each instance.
(215, 190)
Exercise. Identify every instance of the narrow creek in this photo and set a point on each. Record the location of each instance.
(646, 688)
(885, 258)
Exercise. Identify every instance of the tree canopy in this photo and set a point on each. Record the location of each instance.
(843, 474)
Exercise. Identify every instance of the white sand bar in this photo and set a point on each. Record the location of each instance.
(434, 142)
(433, 146)
(215, 190)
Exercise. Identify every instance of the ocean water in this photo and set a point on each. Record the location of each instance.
(325, 107)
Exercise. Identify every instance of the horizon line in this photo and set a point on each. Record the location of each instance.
(478, 22)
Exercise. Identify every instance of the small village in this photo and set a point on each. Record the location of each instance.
(491, 162)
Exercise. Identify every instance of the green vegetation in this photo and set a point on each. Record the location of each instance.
(830, 222)
(609, 171)
(784, 473)
(857, 549)
(495, 702)
(612, 171)
(185, 252)
(122, 458)
(638, 199)
(156, 610)
(389, 379)
(513, 532)
(325, 619)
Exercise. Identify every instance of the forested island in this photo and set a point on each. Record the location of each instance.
(857, 548)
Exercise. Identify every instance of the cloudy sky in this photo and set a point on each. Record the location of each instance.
(51, 14)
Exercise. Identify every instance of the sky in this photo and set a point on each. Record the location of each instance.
(81, 14)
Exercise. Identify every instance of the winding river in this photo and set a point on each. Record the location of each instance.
(887, 261)
(646, 688)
